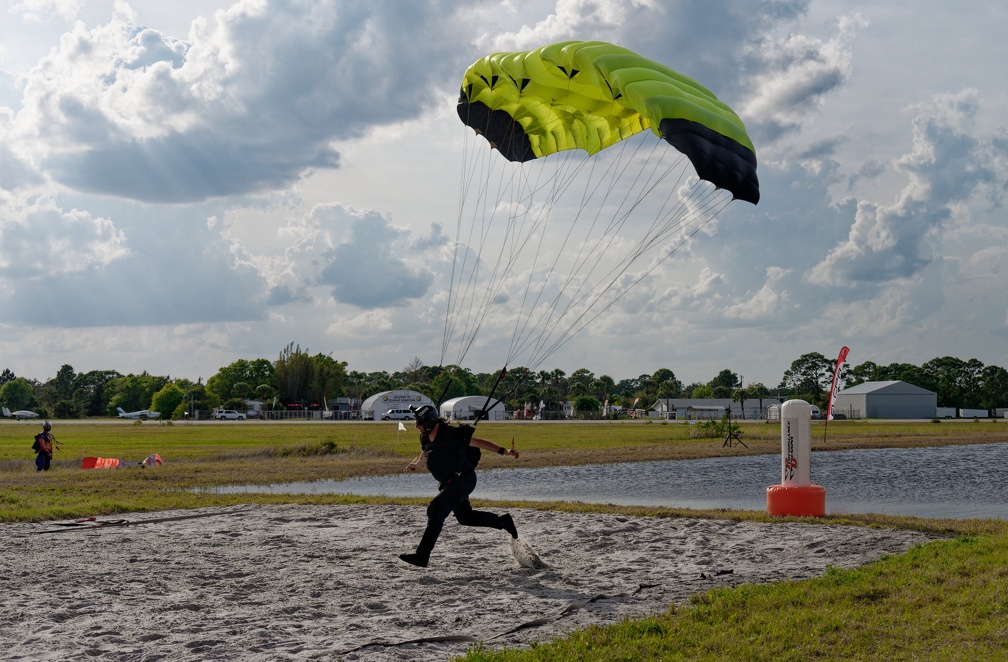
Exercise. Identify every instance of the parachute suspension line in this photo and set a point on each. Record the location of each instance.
(458, 270)
(469, 293)
(599, 249)
(709, 213)
(542, 221)
(483, 411)
(665, 222)
(467, 302)
(461, 312)
(518, 233)
(520, 228)
(683, 214)
(448, 383)
(465, 185)
(545, 320)
(479, 172)
(487, 211)
(520, 340)
(565, 176)
(524, 323)
(583, 319)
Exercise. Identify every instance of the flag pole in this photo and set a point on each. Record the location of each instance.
(841, 359)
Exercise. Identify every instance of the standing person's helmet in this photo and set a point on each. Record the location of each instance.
(426, 416)
(47, 426)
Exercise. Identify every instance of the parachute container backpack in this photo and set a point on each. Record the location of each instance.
(586, 167)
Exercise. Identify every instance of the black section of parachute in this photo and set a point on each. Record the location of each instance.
(498, 127)
(716, 158)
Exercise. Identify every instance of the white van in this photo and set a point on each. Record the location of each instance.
(397, 415)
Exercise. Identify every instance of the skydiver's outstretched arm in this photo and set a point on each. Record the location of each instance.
(415, 464)
(491, 446)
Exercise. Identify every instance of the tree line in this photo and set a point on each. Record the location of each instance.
(298, 378)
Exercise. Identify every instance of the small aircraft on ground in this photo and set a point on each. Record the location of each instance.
(20, 414)
(143, 414)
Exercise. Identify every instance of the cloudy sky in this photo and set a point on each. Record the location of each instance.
(185, 184)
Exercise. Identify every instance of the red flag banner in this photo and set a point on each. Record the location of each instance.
(841, 359)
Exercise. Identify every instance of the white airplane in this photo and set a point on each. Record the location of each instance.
(20, 414)
(143, 414)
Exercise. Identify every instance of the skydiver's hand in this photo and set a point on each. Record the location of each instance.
(412, 466)
(513, 451)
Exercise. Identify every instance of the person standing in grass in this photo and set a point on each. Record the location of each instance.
(451, 454)
(43, 447)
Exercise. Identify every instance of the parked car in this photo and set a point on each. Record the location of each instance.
(397, 415)
(229, 415)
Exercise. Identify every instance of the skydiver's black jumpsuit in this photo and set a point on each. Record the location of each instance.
(451, 463)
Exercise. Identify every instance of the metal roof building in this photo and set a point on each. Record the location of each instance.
(706, 408)
(466, 408)
(374, 407)
(891, 399)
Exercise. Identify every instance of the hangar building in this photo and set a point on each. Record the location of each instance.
(394, 403)
(891, 399)
(465, 408)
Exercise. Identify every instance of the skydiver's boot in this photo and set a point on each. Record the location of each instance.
(415, 559)
(421, 557)
(507, 523)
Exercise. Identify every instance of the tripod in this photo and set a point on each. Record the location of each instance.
(730, 433)
(728, 439)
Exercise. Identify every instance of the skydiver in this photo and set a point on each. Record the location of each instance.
(450, 454)
(43, 447)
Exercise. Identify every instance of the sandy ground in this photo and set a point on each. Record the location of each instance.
(325, 582)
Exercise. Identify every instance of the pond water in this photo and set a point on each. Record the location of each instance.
(948, 481)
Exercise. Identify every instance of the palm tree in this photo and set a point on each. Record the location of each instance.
(265, 392)
(759, 390)
(241, 390)
(740, 395)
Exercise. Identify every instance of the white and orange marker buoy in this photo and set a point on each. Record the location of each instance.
(796, 495)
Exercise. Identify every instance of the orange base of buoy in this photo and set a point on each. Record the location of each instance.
(796, 500)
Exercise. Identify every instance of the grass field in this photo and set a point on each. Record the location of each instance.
(943, 601)
(209, 454)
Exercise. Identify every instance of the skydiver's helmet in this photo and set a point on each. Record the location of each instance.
(47, 426)
(426, 416)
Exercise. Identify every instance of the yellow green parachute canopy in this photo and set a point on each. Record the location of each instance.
(589, 95)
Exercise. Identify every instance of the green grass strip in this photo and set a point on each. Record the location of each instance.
(942, 601)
